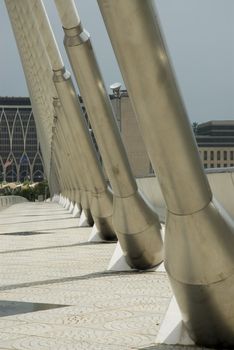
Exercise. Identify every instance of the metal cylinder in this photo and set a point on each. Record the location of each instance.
(199, 234)
(67, 161)
(53, 181)
(31, 63)
(66, 134)
(43, 133)
(184, 171)
(136, 224)
(101, 197)
(44, 33)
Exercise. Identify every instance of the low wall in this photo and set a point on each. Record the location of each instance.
(6, 201)
(221, 183)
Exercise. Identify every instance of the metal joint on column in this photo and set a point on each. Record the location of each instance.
(75, 36)
(60, 75)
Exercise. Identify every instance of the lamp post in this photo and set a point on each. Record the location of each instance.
(116, 89)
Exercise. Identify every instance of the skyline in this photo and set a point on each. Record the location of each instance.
(199, 36)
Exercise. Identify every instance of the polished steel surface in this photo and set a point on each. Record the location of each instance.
(43, 133)
(101, 198)
(146, 71)
(64, 181)
(203, 277)
(35, 75)
(53, 181)
(136, 224)
(68, 13)
(101, 204)
(101, 116)
(67, 156)
(96, 196)
(48, 91)
(199, 240)
(75, 162)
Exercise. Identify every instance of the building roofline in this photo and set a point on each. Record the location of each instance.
(216, 122)
(15, 101)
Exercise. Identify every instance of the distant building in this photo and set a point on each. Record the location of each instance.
(20, 155)
(132, 139)
(215, 141)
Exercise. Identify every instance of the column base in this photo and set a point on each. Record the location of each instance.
(83, 222)
(172, 330)
(76, 211)
(95, 235)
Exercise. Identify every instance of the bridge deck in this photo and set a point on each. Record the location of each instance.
(46, 262)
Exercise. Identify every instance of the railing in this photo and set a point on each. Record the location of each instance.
(6, 201)
(221, 181)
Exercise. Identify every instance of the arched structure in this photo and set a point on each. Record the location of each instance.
(19, 143)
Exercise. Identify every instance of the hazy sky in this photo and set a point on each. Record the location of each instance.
(200, 37)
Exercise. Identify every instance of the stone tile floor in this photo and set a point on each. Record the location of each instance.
(45, 259)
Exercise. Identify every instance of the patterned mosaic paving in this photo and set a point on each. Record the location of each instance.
(106, 310)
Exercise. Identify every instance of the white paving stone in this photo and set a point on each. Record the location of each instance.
(45, 258)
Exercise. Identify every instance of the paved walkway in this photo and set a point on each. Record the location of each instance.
(47, 265)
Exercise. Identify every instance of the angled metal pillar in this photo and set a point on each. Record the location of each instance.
(66, 134)
(67, 155)
(54, 185)
(63, 159)
(101, 197)
(45, 111)
(40, 75)
(47, 94)
(63, 180)
(43, 134)
(199, 242)
(136, 225)
(40, 91)
(44, 114)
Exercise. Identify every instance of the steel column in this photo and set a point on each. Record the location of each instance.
(101, 198)
(199, 242)
(136, 224)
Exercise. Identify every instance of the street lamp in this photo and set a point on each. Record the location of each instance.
(116, 90)
(115, 87)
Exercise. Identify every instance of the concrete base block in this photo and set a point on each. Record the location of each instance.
(160, 268)
(76, 211)
(83, 222)
(95, 235)
(63, 202)
(54, 199)
(172, 330)
(67, 205)
(71, 207)
(118, 261)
